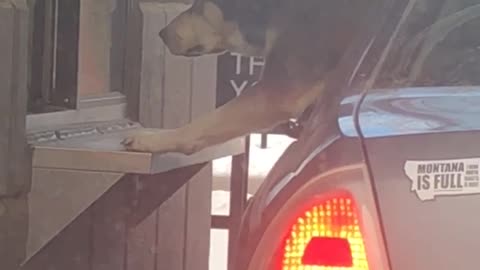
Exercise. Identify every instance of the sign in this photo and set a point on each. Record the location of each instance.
(444, 177)
(236, 73)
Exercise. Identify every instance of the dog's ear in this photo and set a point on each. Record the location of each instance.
(213, 14)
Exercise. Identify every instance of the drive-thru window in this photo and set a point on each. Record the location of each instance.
(82, 75)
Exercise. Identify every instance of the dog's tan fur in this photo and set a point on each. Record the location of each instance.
(303, 41)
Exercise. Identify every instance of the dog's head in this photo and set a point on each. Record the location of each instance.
(204, 29)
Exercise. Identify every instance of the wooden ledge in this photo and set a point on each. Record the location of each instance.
(102, 152)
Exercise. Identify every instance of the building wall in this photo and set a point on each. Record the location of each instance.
(14, 153)
(119, 221)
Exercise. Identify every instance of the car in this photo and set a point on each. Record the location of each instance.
(393, 182)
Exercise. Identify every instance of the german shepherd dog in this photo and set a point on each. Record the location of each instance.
(301, 41)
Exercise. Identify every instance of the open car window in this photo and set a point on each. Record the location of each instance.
(430, 43)
(438, 45)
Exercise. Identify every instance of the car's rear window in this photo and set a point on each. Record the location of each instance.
(438, 45)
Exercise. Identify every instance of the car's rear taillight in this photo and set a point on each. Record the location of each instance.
(325, 234)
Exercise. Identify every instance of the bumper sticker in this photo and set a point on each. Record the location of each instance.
(431, 178)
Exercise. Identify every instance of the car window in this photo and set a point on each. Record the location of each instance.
(435, 43)
(438, 45)
(357, 66)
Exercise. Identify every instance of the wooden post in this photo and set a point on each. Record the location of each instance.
(14, 154)
(14, 78)
(263, 140)
(186, 90)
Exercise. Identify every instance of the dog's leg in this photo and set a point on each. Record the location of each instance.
(281, 94)
(257, 108)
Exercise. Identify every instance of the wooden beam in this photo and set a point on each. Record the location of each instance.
(15, 18)
(14, 77)
(109, 229)
(171, 110)
(71, 249)
(185, 90)
(199, 188)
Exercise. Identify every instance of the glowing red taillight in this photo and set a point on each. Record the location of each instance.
(324, 235)
(331, 251)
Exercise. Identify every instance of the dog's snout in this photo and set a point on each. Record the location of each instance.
(162, 34)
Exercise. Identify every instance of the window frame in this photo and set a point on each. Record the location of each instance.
(55, 68)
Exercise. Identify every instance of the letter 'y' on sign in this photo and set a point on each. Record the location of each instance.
(431, 178)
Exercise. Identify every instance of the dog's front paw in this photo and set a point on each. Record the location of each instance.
(152, 140)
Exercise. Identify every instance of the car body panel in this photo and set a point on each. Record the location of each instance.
(400, 208)
(414, 125)
(423, 124)
(424, 233)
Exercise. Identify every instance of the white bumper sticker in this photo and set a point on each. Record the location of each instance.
(431, 178)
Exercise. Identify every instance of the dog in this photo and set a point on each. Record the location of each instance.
(301, 41)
